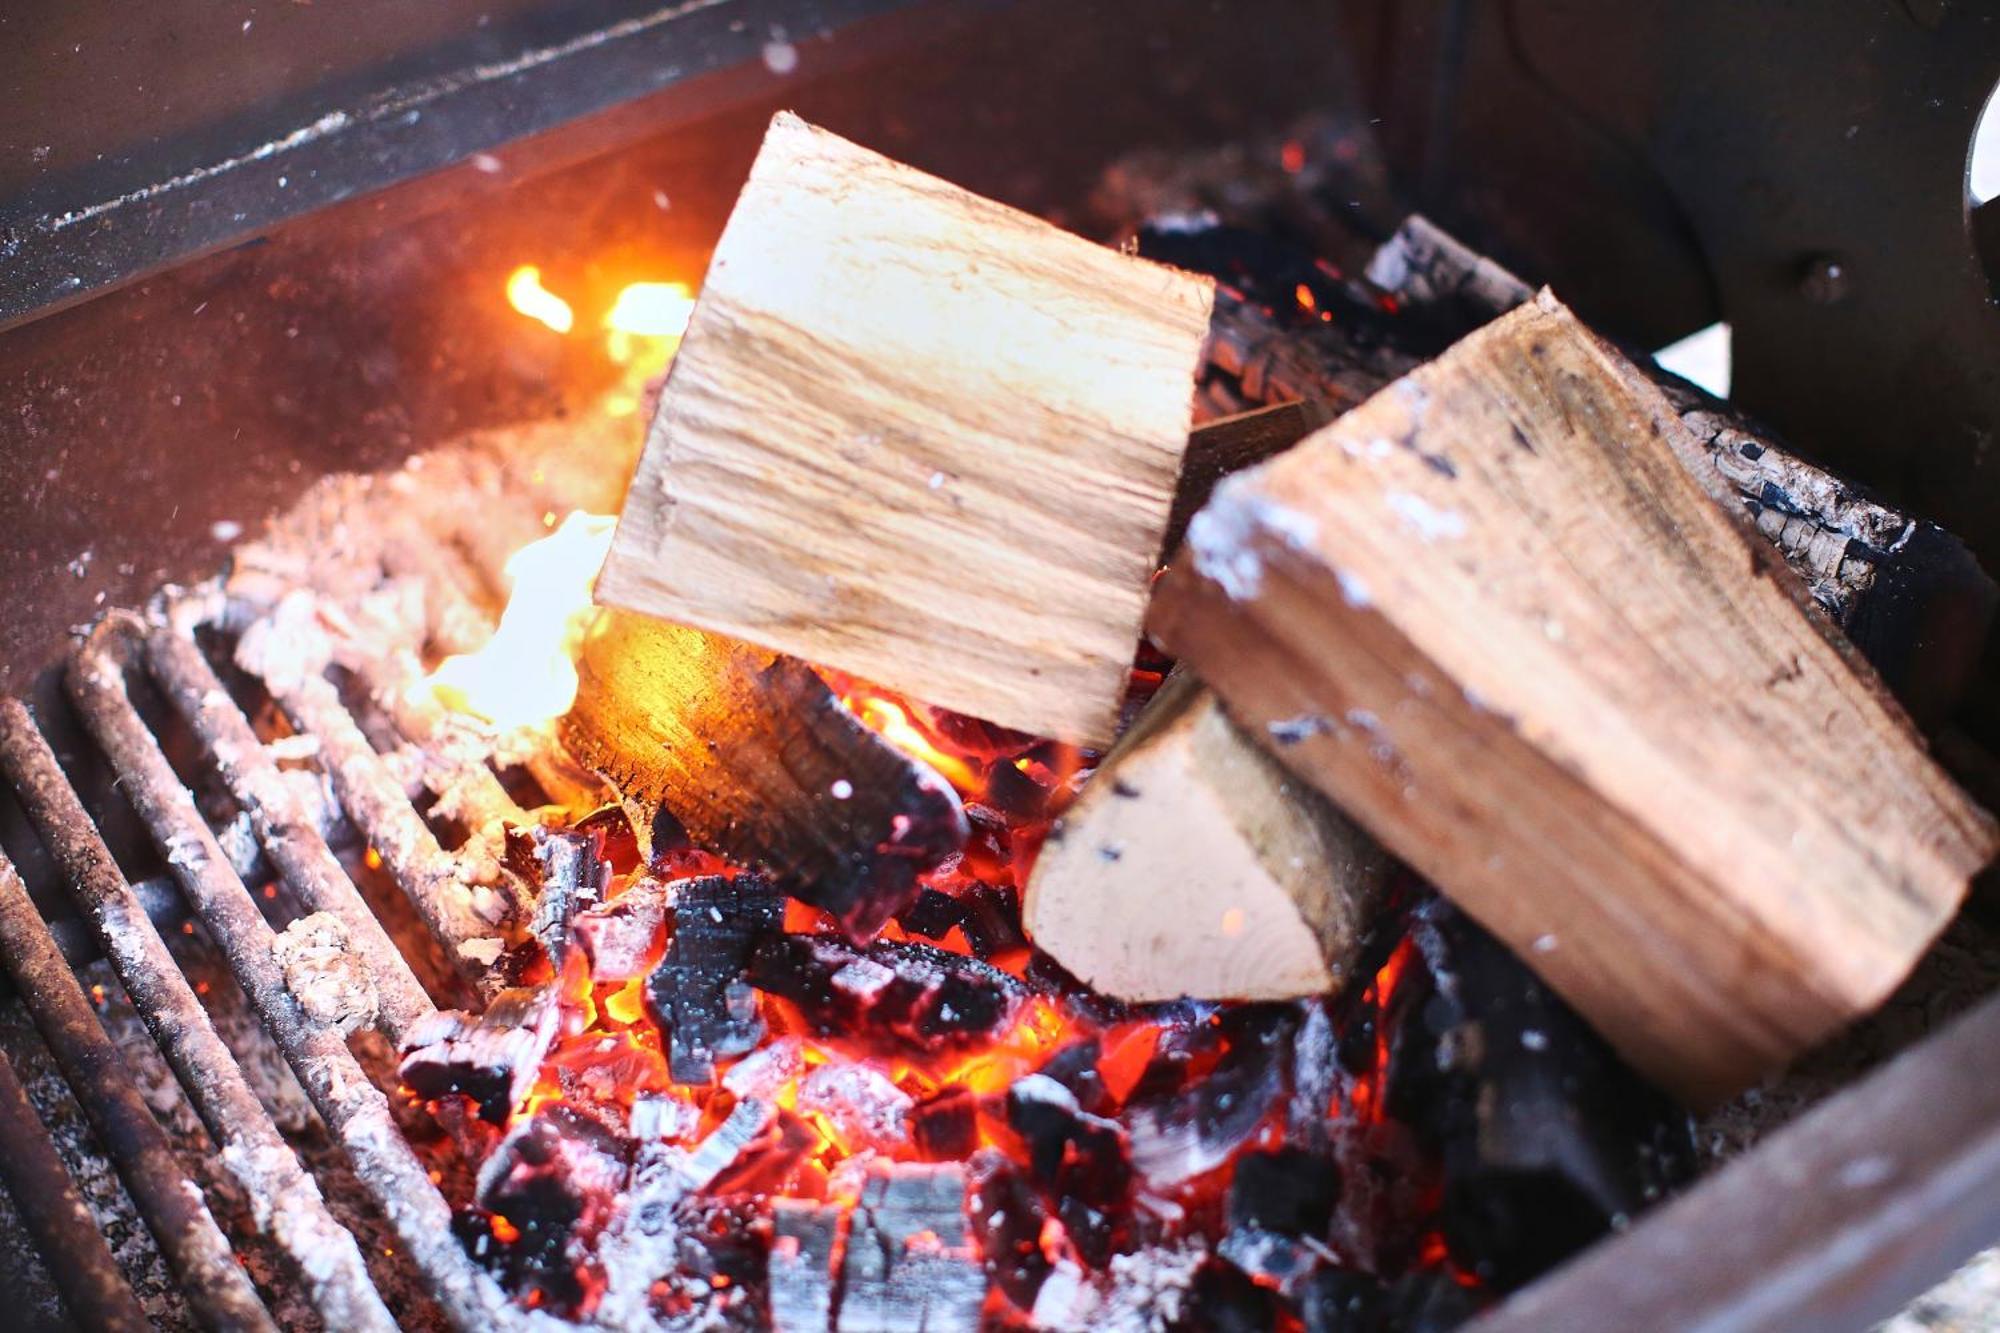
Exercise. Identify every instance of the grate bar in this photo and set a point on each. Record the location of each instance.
(287, 1203)
(290, 839)
(96, 1294)
(171, 1204)
(353, 1108)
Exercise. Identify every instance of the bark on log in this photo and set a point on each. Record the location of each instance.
(1194, 864)
(1499, 622)
(919, 437)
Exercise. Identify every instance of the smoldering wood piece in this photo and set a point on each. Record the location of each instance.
(805, 1235)
(961, 426)
(758, 759)
(1007, 1218)
(1078, 1159)
(1910, 595)
(1217, 448)
(700, 994)
(1180, 1134)
(909, 1266)
(565, 873)
(491, 1059)
(909, 993)
(618, 936)
(1194, 864)
(556, 1178)
(1494, 618)
(1545, 1137)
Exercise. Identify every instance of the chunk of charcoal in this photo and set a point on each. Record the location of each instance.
(909, 1266)
(718, 1277)
(618, 843)
(914, 993)
(804, 1235)
(1335, 1300)
(1280, 1262)
(1315, 1075)
(619, 936)
(1075, 1067)
(1078, 1159)
(663, 1119)
(1289, 1191)
(545, 1192)
(1428, 1302)
(1198, 1128)
(865, 1107)
(770, 1162)
(564, 871)
(698, 995)
(988, 916)
(765, 1071)
(1225, 1299)
(1547, 1139)
(492, 1059)
(945, 1126)
(1007, 1222)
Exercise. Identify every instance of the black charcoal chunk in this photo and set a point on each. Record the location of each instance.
(492, 1059)
(565, 872)
(945, 1126)
(542, 1195)
(1288, 1191)
(1078, 1159)
(1225, 1299)
(699, 995)
(1192, 1131)
(1007, 1221)
(914, 993)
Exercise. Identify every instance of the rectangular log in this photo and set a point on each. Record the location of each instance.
(1194, 864)
(758, 760)
(919, 437)
(1491, 614)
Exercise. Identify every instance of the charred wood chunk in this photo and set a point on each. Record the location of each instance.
(917, 994)
(769, 1163)
(698, 994)
(543, 1194)
(989, 917)
(1228, 1300)
(945, 1126)
(492, 1059)
(1288, 1191)
(865, 1107)
(758, 760)
(804, 1235)
(1547, 1138)
(909, 1266)
(1078, 1159)
(1007, 1222)
(618, 936)
(1315, 1074)
(565, 872)
(1180, 1136)
(1075, 1067)
(1283, 1263)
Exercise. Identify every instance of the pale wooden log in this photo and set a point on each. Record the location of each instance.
(1492, 615)
(919, 437)
(758, 759)
(1194, 864)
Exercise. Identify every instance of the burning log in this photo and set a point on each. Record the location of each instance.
(757, 759)
(917, 995)
(699, 994)
(1491, 614)
(492, 1059)
(909, 1265)
(1194, 864)
(960, 426)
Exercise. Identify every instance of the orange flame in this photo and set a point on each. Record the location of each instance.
(527, 295)
(891, 720)
(525, 676)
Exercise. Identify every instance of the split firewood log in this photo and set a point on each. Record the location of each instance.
(1194, 864)
(919, 437)
(759, 760)
(1494, 617)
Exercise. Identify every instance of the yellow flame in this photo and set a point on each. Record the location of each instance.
(658, 309)
(892, 722)
(525, 676)
(527, 295)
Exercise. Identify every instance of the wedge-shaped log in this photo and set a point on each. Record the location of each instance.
(1194, 864)
(917, 436)
(760, 761)
(1491, 615)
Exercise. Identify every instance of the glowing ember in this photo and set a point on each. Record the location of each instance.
(525, 676)
(655, 309)
(527, 295)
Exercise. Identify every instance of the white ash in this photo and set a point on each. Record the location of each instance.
(861, 1101)
(765, 1071)
(1225, 534)
(1143, 1292)
(323, 974)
